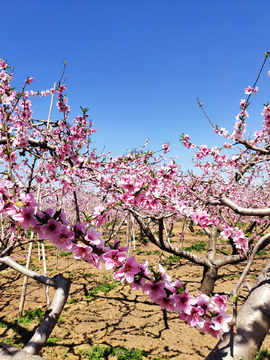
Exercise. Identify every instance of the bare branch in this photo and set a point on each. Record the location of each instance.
(261, 243)
(114, 233)
(62, 287)
(168, 247)
(27, 272)
(248, 145)
(243, 211)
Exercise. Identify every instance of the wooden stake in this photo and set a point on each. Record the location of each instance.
(32, 234)
(45, 273)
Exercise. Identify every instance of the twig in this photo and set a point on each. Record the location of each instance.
(76, 206)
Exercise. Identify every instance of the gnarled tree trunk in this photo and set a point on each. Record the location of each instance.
(209, 280)
(210, 272)
(253, 323)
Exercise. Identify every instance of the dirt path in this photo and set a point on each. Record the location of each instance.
(119, 317)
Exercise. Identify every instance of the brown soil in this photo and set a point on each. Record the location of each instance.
(121, 317)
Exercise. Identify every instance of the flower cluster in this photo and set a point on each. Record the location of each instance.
(207, 315)
(266, 121)
(239, 238)
(185, 140)
(250, 89)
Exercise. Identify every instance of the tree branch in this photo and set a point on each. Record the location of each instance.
(243, 211)
(170, 248)
(51, 316)
(264, 241)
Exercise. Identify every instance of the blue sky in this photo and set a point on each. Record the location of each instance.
(138, 65)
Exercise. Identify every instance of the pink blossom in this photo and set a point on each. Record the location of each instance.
(94, 260)
(29, 80)
(227, 145)
(194, 319)
(101, 218)
(166, 302)
(7, 99)
(62, 107)
(129, 186)
(165, 147)
(117, 245)
(223, 132)
(13, 156)
(240, 240)
(2, 64)
(220, 302)
(242, 103)
(201, 217)
(50, 212)
(204, 302)
(113, 259)
(248, 90)
(164, 275)
(242, 114)
(39, 179)
(80, 229)
(7, 207)
(226, 233)
(255, 90)
(26, 217)
(28, 200)
(63, 238)
(266, 121)
(184, 302)
(144, 269)
(238, 132)
(128, 270)
(203, 151)
(22, 140)
(63, 219)
(93, 236)
(140, 280)
(208, 329)
(154, 289)
(138, 283)
(79, 251)
(48, 230)
(177, 285)
(4, 186)
(221, 321)
(62, 88)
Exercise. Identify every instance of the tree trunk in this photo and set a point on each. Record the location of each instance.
(9, 352)
(209, 279)
(142, 236)
(170, 229)
(253, 323)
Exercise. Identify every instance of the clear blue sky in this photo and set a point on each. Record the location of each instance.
(138, 65)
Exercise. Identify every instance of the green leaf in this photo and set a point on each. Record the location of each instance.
(57, 214)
